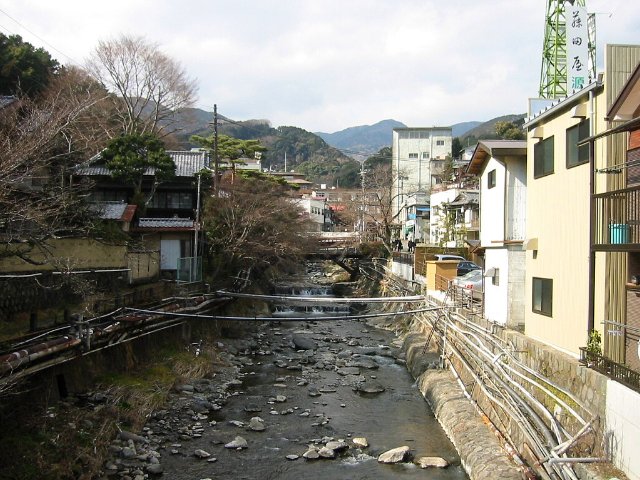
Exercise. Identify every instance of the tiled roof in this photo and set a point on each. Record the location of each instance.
(114, 211)
(109, 210)
(466, 198)
(165, 223)
(188, 163)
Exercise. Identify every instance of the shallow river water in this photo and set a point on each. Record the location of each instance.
(306, 395)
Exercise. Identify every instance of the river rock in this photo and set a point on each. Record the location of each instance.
(348, 371)
(395, 455)
(201, 454)
(311, 454)
(237, 443)
(253, 404)
(336, 445)
(257, 424)
(301, 342)
(154, 469)
(325, 452)
(432, 462)
(124, 435)
(292, 457)
(370, 387)
(360, 442)
(280, 398)
(362, 362)
(128, 452)
(327, 389)
(313, 392)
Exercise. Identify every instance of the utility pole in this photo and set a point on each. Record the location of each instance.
(215, 150)
(362, 203)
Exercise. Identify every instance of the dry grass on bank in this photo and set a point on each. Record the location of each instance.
(71, 439)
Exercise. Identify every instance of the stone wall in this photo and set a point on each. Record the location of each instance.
(563, 371)
(482, 454)
(587, 385)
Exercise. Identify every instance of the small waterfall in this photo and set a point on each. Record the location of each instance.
(302, 310)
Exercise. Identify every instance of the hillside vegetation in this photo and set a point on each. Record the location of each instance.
(328, 158)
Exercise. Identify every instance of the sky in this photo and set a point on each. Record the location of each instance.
(326, 65)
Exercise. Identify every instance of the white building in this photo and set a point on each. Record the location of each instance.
(413, 149)
(454, 217)
(502, 167)
(317, 211)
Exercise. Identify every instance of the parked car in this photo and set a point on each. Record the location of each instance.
(470, 283)
(466, 267)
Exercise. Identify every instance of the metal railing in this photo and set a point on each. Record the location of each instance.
(611, 369)
(403, 257)
(617, 217)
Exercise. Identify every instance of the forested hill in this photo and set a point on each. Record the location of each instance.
(364, 139)
(305, 152)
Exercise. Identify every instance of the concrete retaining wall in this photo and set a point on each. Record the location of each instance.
(480, 450)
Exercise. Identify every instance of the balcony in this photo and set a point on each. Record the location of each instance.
(617, 220)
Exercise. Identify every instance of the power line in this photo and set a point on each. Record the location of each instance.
(39, 38)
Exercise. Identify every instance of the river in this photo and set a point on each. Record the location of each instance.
(304, 396)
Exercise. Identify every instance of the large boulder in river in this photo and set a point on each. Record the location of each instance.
(432, 462)
(301, 342)
(395, 455)
(238, 443)
(369, 386)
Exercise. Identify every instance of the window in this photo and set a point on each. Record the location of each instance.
(175, 200)
(542, 296)
(577, 155)
(491, 179)
(440, 142)
(425, 155)
(543, 158)
(109, 196)
(495, 280)
(413, 155)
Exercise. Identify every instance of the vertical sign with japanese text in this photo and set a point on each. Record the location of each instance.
(577, 47)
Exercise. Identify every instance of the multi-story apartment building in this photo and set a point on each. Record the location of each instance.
(562, 307)
(413, 150)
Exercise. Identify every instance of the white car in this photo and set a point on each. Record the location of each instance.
(472, 283)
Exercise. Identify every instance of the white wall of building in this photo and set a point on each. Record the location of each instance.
(412, 150)
(496, 298)
(516, 199)
(314, 208)
(623, 423)
(438, 198)
(492, 209)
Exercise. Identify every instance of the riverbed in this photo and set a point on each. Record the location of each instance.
(292, 388)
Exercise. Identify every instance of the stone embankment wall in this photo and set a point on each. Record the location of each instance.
(481, 451)
(448, 402)
(587, 385)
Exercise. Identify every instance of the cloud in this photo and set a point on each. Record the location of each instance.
(332, 64)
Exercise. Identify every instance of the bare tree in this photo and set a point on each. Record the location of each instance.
(149, 86)
(38, 139)
(253, 223)
(379, 198)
